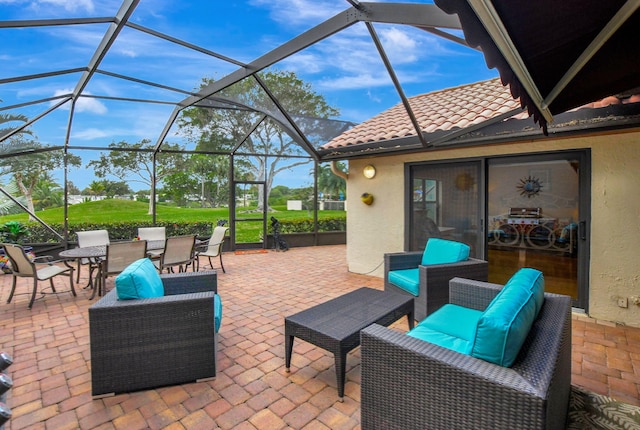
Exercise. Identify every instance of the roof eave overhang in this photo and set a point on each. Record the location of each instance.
(615, 118)
(494, 26)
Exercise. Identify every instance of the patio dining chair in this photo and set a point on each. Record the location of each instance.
(213, 247)
(40, 269)
(119, 255)
(179, 251)
(90, 238)
(153, 233)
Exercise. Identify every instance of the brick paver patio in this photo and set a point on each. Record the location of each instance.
(52, 381)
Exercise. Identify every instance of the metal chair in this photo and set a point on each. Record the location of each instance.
(23, 267)
(90, 238)
(178, 251)
(153, 233)
(119, 256)
(213, 247)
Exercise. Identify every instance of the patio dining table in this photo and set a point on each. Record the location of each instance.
(97, 253)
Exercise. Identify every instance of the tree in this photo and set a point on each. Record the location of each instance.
(219, 129)
(5, 129)
(28, 168)
(95, 188)
(133, 162)
(47, 194)
(329, 183)
(72, 189)
(208, 174)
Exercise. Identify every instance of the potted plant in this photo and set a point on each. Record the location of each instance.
(13, 232)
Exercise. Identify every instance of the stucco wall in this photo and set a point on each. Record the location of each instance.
(615, 212)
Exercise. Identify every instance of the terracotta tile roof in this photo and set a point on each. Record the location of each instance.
(447, 109)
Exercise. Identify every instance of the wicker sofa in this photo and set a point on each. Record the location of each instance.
(433, 278)
(410, 383)
(146, 343)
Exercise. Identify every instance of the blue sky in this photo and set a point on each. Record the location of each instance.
(344, 68)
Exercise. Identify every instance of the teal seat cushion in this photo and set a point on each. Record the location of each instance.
(441, 251)
(452, 327)
(407, 279)
(217, 309)
(442, 339)
(505, 324)
(454, 320)
(139, 280)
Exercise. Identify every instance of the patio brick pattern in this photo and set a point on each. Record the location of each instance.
(51, 372)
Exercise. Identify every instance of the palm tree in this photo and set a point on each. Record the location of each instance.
(329, 183)
(5, 128)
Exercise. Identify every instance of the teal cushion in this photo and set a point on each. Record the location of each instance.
(440, 251)
(217, 309)
(444, 340)
(407, 279)
(452, 327)
(453, 320)
(139, 280)
(505, 324)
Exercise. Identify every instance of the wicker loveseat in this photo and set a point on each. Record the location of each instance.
(145, 343)
(410, 383)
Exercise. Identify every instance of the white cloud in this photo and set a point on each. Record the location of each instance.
(89, 134)
(83, 104)
(67, 5)
(71, 5)
(300, 12)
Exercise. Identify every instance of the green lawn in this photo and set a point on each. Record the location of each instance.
(128, 211)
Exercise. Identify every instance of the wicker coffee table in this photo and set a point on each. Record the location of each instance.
(335, 325)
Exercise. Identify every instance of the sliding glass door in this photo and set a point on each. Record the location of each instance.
(514, 211)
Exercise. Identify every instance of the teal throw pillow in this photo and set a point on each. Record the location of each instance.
(441, 251)
(506, 322)
(140, 280)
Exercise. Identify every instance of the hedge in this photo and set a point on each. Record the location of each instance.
(126, 231)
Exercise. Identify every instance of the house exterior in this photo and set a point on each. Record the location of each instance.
(581, 179)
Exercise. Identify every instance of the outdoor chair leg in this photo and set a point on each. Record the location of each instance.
(222, 265)
(73, 290)
(53, 288)
(13, 289)
(33, 295)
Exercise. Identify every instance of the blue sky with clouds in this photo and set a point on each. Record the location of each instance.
(345, 68)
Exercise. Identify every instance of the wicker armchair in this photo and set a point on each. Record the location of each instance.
(146, 343)
(410, 383)
(434, 279)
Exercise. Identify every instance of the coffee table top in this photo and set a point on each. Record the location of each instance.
(341, 317)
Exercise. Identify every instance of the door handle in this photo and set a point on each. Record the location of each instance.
(582, 230)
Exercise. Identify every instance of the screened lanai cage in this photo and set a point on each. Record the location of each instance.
(203, 105)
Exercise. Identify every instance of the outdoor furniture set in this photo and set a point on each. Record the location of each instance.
(492, 357)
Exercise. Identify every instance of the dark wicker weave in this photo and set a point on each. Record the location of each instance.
(140, 344)
(411, 384)
(434, 279)
(335, 325)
